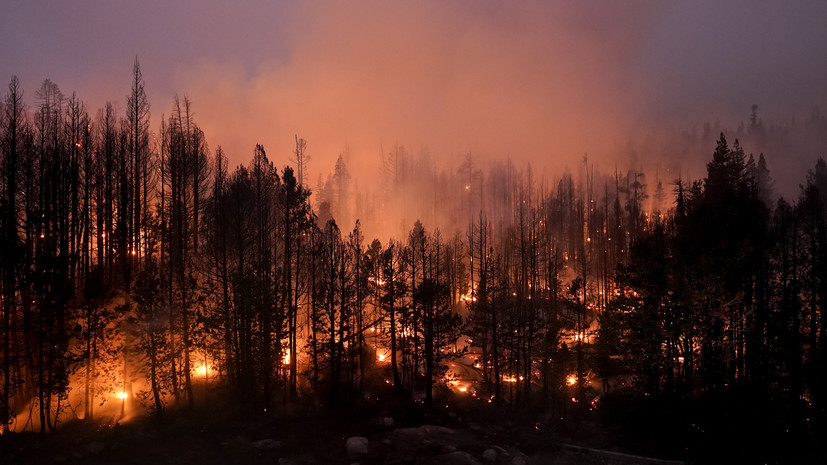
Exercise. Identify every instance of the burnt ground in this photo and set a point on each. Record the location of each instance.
(457, 430)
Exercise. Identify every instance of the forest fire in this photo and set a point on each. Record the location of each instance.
(146, 272)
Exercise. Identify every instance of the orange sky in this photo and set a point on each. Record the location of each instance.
(539, 81)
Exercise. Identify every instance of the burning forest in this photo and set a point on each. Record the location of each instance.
(164, 300)
(143, 274)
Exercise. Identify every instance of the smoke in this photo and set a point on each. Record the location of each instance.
(533, 82)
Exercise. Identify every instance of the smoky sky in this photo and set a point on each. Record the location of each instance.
(536, 81)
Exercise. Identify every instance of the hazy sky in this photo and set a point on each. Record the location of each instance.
(533, 80)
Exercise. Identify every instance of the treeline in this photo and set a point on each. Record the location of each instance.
(134, 263)
(725, 298)
(138, 262)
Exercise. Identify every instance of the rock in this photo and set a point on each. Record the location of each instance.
(357, 446)
(490, 455)
(433, 430)
(421, 435)
(455, 458)
(387, 442)
(400, 460)
(449, 448)
(286, 461)
(387, 422)
(475, 427)
(94, 447)
(267, 444)
(518, 461)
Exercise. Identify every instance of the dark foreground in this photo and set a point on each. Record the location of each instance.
(456, 431)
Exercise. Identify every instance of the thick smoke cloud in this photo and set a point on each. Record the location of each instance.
(534, 81)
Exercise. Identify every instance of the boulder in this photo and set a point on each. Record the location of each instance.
(455, 458)
(357, 446)
(422, 435)
(267, 444)
(518, 460)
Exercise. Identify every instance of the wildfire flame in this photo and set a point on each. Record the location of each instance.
(122, 395)
(202, 370)
(571, 380)
(377, 281)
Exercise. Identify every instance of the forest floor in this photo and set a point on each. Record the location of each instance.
(457, 430)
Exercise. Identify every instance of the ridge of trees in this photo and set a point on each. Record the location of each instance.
(129, 261)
